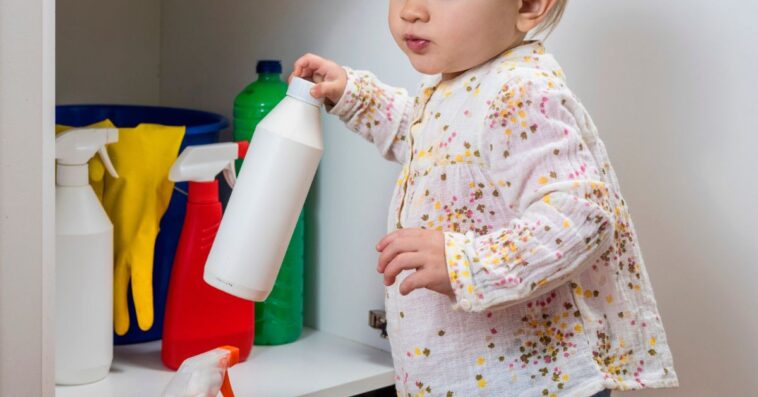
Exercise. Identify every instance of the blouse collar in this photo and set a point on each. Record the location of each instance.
(529, 54)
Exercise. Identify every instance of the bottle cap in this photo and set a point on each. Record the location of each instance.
(268, 66)
(301, 89)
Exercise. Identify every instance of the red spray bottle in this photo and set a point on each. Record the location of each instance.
(199, 317)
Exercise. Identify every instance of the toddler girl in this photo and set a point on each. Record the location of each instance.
(513, 267)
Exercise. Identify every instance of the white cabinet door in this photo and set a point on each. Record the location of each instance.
(27, 201)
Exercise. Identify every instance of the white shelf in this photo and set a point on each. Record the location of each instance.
(318, 364)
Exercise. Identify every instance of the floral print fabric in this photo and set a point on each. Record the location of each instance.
(551, 293)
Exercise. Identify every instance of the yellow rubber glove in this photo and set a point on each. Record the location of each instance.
(135, 203)
(96, 167)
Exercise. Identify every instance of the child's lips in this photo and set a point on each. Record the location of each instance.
(416, 44)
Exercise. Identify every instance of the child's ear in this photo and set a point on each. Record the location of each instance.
(531, 13)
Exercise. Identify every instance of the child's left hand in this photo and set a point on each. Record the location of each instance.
(419, 249)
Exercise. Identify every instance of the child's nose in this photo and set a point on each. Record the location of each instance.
(414, 10)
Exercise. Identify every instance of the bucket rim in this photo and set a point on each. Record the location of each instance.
(218, 123)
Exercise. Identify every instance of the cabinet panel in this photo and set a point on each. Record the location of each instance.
(27, 205)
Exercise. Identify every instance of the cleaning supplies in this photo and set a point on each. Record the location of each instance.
(267, 200)
(136, 202)
(96, 167)
(257, 99)
(84, 261)
(201, 128)
(279, 319)
(199, 317)
(204, 375)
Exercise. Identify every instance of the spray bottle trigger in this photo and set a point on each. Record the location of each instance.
(242, 147)
(226, 387)
(230, 174)
(107, 161)
(234, 358)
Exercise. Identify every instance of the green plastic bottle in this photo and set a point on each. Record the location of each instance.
(279, 319)
(257, 99)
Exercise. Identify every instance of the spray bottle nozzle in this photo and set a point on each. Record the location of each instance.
(202, 163)
(205, 374)
(77, 146)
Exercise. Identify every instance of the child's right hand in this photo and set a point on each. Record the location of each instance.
(330, 78)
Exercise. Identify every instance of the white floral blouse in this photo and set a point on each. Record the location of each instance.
(551, 293)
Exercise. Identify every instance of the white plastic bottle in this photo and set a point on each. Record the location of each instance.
(84, 261)
(267, 199)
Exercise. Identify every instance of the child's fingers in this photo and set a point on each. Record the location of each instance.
(324, 71)
(388, 239)
(400, 233)
(314, 67)
(404, 261)
(418, 279)
(304, 71)
(396, 247)
(307, 61)
(326, 89)
(317, 91)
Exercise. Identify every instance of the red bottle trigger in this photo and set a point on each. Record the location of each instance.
(242, 147)
(234, 358)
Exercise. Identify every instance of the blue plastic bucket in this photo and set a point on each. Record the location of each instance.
(202, 128)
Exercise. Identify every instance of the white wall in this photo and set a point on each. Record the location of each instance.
(108, 51)
(671, 86)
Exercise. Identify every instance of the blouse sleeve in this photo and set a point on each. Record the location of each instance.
(377, 112)
(563, 218)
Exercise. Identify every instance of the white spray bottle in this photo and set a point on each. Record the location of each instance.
(205, 375)
(84, 261)
(269, 195)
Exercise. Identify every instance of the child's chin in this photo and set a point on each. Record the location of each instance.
(423, 65)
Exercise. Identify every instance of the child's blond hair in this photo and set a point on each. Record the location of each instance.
(552, 19)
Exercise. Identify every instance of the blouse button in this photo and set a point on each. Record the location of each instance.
(465, 304)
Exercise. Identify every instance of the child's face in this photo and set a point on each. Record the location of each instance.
(451, 36)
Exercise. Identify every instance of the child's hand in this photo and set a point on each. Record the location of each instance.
(419, 249)
(329, 77)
